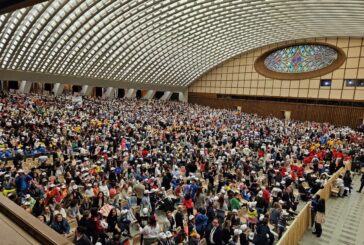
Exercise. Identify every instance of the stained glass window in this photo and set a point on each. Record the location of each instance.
(300, 58)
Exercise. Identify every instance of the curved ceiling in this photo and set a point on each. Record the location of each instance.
(158, 42)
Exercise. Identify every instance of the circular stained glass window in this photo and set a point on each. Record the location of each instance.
(301, 58)
(300, 61)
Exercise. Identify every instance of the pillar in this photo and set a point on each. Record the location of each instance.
(109, 93)
(130, 93)
(86, 90)
(58, 89)
(183, 96)
(25, 87)
(167, 95)
(150, 94)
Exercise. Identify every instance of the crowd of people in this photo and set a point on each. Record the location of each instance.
(171, 172)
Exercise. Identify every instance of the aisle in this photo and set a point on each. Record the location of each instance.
(344, 221)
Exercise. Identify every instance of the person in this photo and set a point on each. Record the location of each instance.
(244, 240)
(99, 200)
(60, 224)
(347, 182)
(191, 225)
(214, 233)
(188, 203)
(162, 239)
(139, 190)
(201, 222)
(263, 235)
(340, 185)
(112, 221)
(200, 199)
(85, 222)
(361, 183)
(22, 182)
(194, 239)
(80, 237)
(150, 232)
(38, 208)
(282, 223)
(314, 203)
(320, 217)
(97, 230)
(275, 214)
(234, 202)
(252, 216)
(226, 232)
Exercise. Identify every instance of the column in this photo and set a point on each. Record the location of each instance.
(86, 90)
(25, 87)
(130, 93)
(183, 96)
(150, 94)
(109, 93)
(58, 89)
(167, 95)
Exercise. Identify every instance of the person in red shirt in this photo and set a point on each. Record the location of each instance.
(188, 203)
(293, 176)
(52, 192)
(300, 171)
(266, 194)
(282, 170)
(261, 153)
(340, 154)
(294, 167)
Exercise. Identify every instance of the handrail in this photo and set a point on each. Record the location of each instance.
(302, 221)
(30, 224)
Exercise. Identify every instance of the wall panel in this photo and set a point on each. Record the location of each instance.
(338, 115)
(241, 69)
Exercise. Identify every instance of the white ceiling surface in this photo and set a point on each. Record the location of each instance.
(160, 44)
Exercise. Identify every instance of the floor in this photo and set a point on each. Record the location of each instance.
(344, 221)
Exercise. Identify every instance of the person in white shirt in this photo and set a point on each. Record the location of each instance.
(89, 192)
(151, 231)
(340, 185)
(103, 188)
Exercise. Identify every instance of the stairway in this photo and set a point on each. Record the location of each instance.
(344, 221)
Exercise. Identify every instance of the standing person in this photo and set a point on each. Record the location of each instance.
(150, 232)
(226, 231)
(188, 203)
(320, 217)
(314, 203)
(139, 190)
(201, 222)
(347, 182)
(362, 183)
(282, 223)
(22, 182)
(200, 198)
(80, 237)
(214, 234)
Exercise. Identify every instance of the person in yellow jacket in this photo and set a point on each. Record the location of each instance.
(252, 214)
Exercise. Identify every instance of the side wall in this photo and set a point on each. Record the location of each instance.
(338, 115)
(221, 87)
(238, 76)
